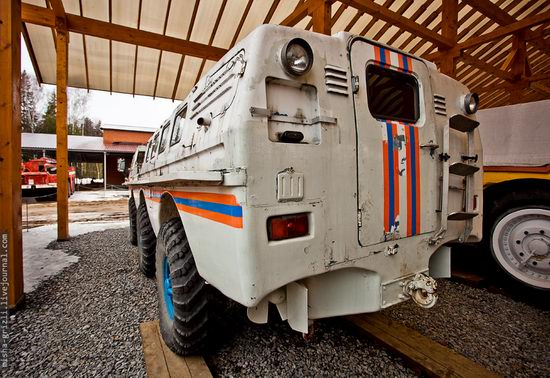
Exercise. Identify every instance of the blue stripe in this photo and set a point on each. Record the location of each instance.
(391, 179)
(234, 211)
(382, 56)
(405, 63)
(413, 178)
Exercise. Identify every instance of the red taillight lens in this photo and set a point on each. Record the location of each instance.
(287, 226)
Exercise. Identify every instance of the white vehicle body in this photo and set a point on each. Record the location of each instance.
(374, 191)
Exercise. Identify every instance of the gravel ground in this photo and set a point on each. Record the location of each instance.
(85, 322)
(506, 336)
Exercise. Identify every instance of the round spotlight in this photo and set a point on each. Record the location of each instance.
(471, 102)
(297, 57)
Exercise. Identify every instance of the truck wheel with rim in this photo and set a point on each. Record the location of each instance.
(146, 242)
(132, 215)
(519, 237)
(183, 293)
(520, 243)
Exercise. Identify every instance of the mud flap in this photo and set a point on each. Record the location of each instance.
(296, 307)
(440, 263)
(258, 314)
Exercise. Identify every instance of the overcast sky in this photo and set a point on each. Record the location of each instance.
(121, 109)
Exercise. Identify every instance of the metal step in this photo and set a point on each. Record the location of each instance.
(462, 123)
(462, 169)
(461, 215)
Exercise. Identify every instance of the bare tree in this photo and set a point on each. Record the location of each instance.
(78, 109)
(31, 96)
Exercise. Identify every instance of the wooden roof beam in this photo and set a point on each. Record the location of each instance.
(58, 9)
(77, 24)
(189, 31)
(541, 88)
(449, 29)
(400, 21)
(487, 8)
(297, 15)
(489, 68)
(497, 33)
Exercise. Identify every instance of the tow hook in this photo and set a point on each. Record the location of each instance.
(422, 290)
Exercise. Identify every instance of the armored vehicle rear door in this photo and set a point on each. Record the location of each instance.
(398, 185)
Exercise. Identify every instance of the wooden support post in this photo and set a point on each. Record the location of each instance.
(105, 171)
(62, 154)
(320, 11)
(449, 27)
(10, 152)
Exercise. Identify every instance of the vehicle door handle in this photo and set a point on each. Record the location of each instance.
(432, 146)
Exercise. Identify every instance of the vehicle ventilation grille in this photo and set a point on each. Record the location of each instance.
(336, 80)
(440, 105)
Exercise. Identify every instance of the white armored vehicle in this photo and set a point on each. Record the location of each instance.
(323, 174)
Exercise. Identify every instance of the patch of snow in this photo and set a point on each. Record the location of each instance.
(40, 263)
(99, 195)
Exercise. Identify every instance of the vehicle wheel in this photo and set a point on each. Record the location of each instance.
(132, 215)
(146, 242)
(183, 295)
(520, 244)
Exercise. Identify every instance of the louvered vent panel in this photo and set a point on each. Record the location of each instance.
(336, 80)
(440, 105)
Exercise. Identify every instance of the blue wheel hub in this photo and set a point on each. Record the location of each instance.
(167, 286)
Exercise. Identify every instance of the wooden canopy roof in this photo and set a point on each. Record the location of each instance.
(161, 48)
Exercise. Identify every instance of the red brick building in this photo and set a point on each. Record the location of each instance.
(118, 142)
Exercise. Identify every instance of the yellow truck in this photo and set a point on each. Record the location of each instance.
(516, 154)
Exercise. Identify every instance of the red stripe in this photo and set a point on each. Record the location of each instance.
(409, 181)
(386, 187)
(409, 63)
(417, 199)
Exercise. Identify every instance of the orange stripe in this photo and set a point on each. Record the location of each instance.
(377, 53)
(409, 181)
(410, 63)
(400, 62)
(236, 222)
(386, 187)
(417, 202)
(225, 199)
(395, 175)
(387, 55)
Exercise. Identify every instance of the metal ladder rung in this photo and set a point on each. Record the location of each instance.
(462, 123)
(461, 215)
(462, 169)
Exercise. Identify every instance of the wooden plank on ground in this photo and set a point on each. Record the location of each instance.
(469, 278)
(420, 351)
(161, 362)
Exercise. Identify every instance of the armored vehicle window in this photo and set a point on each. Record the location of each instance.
(177, 130)
(392, 95)
(154, 145)
(164, 138)
(140, 156)
(148, 152)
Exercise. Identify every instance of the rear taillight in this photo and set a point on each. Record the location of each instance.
(287, 226)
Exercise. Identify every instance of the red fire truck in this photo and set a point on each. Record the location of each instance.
(39, 177)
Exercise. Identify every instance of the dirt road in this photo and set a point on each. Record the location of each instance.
(82, 208)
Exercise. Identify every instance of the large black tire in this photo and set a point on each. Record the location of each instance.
(132, 216)
(184, 316)
(146, 241)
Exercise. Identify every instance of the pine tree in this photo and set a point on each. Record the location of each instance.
(47, 125)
